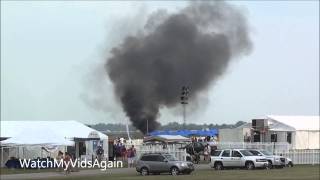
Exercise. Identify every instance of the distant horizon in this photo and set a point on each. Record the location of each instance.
(180, 123)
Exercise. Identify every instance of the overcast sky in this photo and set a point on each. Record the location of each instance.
(52, 56)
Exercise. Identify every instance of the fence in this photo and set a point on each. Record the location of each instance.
(272, 147)
(302, 156)
(174, 149)
(298, 156)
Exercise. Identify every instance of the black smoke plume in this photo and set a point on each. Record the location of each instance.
(192, 47)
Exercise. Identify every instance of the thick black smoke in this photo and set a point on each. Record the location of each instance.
(190, 48)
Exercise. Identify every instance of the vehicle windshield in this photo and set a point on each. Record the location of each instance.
(267, 153)
(215, 153)
(170, 157)
(254, 152)
(246, 153)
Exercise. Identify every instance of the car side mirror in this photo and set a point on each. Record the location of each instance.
(165, 160)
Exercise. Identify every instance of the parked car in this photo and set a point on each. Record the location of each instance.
(274, 160)
(157, 163)
(289, 162)
(236, 158)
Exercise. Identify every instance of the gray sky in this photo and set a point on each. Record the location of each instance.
(52, 55)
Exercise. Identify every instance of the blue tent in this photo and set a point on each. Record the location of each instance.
(186, 133)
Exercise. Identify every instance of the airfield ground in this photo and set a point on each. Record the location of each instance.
(300, 172)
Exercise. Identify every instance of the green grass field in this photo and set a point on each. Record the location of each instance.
(22, 171)
(297, 172)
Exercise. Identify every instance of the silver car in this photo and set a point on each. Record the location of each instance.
(236, 158)
(157, 163)
(274, 160)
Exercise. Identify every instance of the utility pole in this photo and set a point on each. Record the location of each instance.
(184, 101)
(147, 126)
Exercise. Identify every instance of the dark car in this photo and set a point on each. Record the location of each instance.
(157, 163)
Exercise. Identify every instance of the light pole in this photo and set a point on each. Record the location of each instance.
(184, 101)
(147, 126)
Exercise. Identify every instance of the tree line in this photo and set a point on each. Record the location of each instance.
(169, 126)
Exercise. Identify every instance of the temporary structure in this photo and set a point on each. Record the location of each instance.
(65, 129)
(304, 130)
(35, 135)
(39, 137)
(167, 139)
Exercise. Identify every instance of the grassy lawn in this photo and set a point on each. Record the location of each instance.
(26, 171)
(297, 172)
(22, 171)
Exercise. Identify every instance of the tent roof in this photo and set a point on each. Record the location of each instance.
(210, 132)
(167, 138)
(33, 138)
(39, 130)
(297, 122)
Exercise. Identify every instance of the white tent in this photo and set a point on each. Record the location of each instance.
(65, 129)
(35, 134)
(305, 130)
(296, 123)
(167, 139)
(39, 137)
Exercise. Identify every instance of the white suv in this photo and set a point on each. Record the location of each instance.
(237, 158)
(274, 161)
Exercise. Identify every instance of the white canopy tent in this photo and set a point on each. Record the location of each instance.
(65, 129)
(298, 123)
(28, 134)
(39, 137)
(305, 130)
(167, 139)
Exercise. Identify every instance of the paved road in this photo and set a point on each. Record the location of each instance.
(92, 172)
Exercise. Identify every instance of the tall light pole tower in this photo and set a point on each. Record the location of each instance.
(184, 101)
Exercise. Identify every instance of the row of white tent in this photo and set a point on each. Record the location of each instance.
(19, 133)
(26, 139)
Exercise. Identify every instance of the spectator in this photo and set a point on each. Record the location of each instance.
(118, 151)
(67, 159)
(100, 152)
(59, 158)
(131, 154)
(123, 152)
(206, 152)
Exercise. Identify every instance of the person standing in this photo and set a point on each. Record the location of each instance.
(100, 152)
(123, 152)
(206, 152)
(59, 158)
(67, 159)
(131, 156)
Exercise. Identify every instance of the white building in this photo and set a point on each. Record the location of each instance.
(302, 132)
(299, 132)
(32, 139)
(238, 134)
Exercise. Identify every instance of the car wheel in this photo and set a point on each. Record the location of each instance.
(144, 171)
(290, 164)
(174, 171)
(249, 165)
(269, 166)
(218, 166)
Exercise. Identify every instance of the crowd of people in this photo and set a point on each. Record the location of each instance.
(201, 146)
(124, 154)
